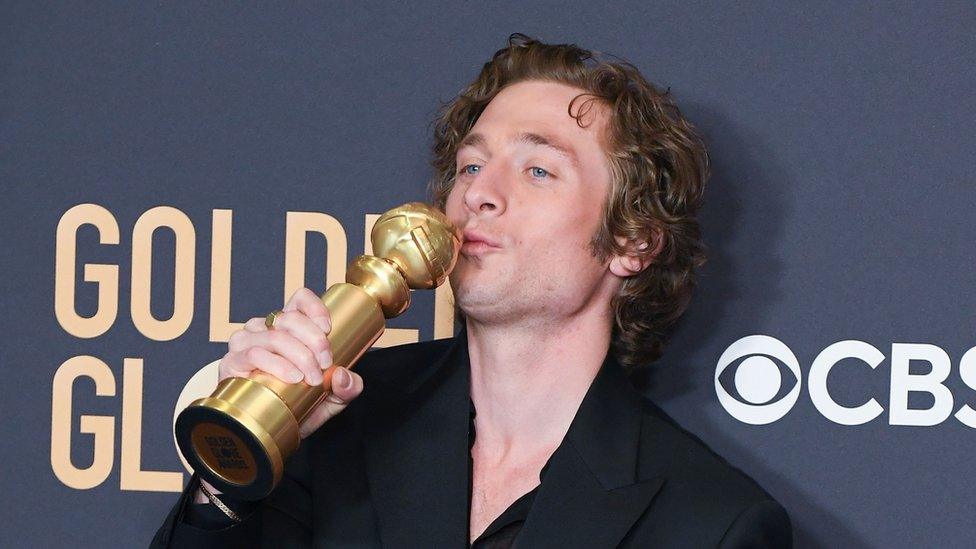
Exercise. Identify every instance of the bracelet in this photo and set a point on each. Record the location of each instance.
(219, 504)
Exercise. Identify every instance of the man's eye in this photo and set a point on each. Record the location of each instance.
(538, 172)
(470, 169)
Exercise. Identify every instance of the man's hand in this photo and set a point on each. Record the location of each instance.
(297, 349)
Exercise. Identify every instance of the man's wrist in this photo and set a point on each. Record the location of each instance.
(199, 496)
(225, 506)
(216, 501)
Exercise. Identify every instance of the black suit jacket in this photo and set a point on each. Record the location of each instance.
(392, 471)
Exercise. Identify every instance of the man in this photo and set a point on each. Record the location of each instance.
(576, 184)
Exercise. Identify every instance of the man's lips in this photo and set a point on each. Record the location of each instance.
(477, 243)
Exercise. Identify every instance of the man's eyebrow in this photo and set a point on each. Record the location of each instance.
(473, 140)
(478, 140)
(546, 141)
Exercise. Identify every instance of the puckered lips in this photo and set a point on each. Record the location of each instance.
(475, 243)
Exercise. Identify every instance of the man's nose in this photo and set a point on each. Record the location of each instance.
(486, 194)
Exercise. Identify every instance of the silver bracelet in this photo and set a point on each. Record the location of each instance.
(219, 504)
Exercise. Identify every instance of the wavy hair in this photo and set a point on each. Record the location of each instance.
(659, 167)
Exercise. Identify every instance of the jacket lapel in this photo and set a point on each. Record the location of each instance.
(595, 486)
(416, 451)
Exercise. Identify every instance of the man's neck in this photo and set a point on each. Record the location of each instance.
(527, 382)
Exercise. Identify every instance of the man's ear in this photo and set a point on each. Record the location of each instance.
(637, 255)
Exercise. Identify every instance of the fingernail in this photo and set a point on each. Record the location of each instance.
(295, 376)
(322, 323)
(325, 359)
(345, 378)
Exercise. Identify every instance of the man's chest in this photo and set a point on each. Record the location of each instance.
(494, 488)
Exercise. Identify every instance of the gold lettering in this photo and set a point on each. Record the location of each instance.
(297, 226)
(220, 260)
(132, 475)
(106, 277)
(142, 234)
(101, 427)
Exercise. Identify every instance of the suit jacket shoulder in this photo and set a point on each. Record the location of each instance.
(701, 483)
(690, 461)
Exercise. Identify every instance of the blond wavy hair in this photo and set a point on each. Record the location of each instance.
(659, 167)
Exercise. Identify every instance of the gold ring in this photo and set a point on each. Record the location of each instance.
(269, 320)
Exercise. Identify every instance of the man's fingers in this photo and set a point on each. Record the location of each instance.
(282, 343)
(305, 301)
(306, 330)
(296, 337)
(347, 385)
(275, 365)
(297, 348)
(234, 365)
(255, 324)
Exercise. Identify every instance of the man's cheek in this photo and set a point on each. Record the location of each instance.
(452, 208)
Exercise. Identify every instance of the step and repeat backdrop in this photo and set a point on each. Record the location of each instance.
(170, 170)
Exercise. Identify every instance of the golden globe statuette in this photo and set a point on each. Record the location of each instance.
(239, 437)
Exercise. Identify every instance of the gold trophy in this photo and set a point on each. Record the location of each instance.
(239, 437)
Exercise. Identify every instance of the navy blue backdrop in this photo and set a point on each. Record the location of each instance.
(138, 141)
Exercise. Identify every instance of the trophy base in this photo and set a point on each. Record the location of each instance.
(228, 447)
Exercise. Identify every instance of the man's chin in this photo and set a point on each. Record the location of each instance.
(479, 290)
(476, 303)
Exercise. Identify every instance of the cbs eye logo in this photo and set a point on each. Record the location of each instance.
(749, 368)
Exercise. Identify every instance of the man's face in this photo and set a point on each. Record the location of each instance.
(529, 197)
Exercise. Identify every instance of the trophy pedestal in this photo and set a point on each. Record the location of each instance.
(240, 436)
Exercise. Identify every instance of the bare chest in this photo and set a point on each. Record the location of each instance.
(494, 489)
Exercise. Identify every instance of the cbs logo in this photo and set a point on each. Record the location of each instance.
(762, 395)
(758, 380)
